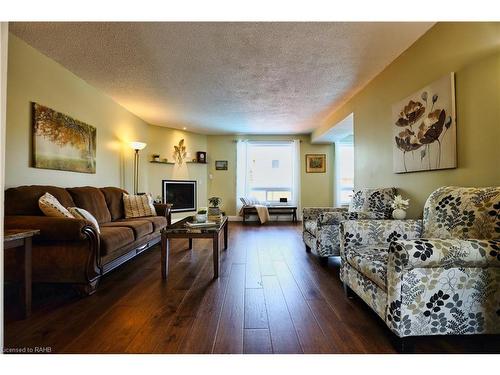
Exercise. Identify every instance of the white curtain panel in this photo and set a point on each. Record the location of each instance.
(296, 178)
(241, 172)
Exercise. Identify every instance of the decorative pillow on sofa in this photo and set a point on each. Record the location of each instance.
(50, 206)
(80, 213)
(138, 205)
(373, 203)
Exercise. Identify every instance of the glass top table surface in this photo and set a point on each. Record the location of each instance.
(182, 227)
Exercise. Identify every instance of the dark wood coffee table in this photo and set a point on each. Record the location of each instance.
(180, 230)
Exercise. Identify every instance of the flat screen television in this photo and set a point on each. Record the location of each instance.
(180, 193)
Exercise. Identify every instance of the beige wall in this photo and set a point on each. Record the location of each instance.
(161, 141)
(33, 77)
(472, 51)
(316, 188)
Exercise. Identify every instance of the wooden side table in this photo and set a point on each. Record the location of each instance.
(20, 240)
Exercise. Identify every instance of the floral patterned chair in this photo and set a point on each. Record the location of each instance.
(321, 224)
(436, 276)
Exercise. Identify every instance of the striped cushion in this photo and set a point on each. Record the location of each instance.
(50, 206)
(138, 205)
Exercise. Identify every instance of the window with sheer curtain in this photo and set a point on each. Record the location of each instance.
(344, 155)
(268, 171)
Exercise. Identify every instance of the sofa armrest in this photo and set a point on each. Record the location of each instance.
(444, 253)
(165, 210)
(53, 228)
(312, 213)
(376, 232)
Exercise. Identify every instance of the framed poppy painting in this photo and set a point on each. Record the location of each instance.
(424, 128)
(315, 163)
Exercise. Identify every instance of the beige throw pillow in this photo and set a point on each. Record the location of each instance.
(80, 213)
(138, 205)
(50, 206)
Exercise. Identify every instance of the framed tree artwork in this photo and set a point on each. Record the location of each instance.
(424, 128)
(61, 142)
(315, 163)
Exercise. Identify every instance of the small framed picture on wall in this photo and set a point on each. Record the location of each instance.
(315, 163)
(221, 165)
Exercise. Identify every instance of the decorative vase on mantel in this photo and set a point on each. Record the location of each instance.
(399, 214)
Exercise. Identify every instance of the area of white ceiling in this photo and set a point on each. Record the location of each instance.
(225, 77)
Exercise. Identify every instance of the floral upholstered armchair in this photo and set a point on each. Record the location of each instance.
(436, 276)
(321, 224)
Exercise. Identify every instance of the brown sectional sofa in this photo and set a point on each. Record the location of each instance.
(71, 250)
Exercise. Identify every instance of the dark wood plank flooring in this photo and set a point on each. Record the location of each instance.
(271, 297)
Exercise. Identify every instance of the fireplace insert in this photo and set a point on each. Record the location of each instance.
(180, 193)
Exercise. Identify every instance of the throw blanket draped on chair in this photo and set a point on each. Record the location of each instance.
(262, 212)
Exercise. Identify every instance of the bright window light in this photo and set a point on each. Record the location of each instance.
(270, 171)
(344, 171)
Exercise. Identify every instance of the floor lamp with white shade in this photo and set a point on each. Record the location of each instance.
(136, 146)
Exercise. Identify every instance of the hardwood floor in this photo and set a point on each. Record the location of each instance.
(271, 297)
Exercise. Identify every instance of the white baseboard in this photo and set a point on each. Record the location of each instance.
(254, 218)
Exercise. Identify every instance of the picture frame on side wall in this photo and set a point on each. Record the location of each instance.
(221, 165)
(315, 163)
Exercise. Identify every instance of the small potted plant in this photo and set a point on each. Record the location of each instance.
(201, 215)
(399, 205)
(156, 157)
(214, 209)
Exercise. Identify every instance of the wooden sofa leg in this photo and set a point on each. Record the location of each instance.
(308, 249)
(323, 261)
(348, 291)
(87, 289)
(405, 345)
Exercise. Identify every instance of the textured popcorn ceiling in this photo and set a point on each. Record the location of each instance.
(225, 77)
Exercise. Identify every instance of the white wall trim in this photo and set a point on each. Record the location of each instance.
(254, 218)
